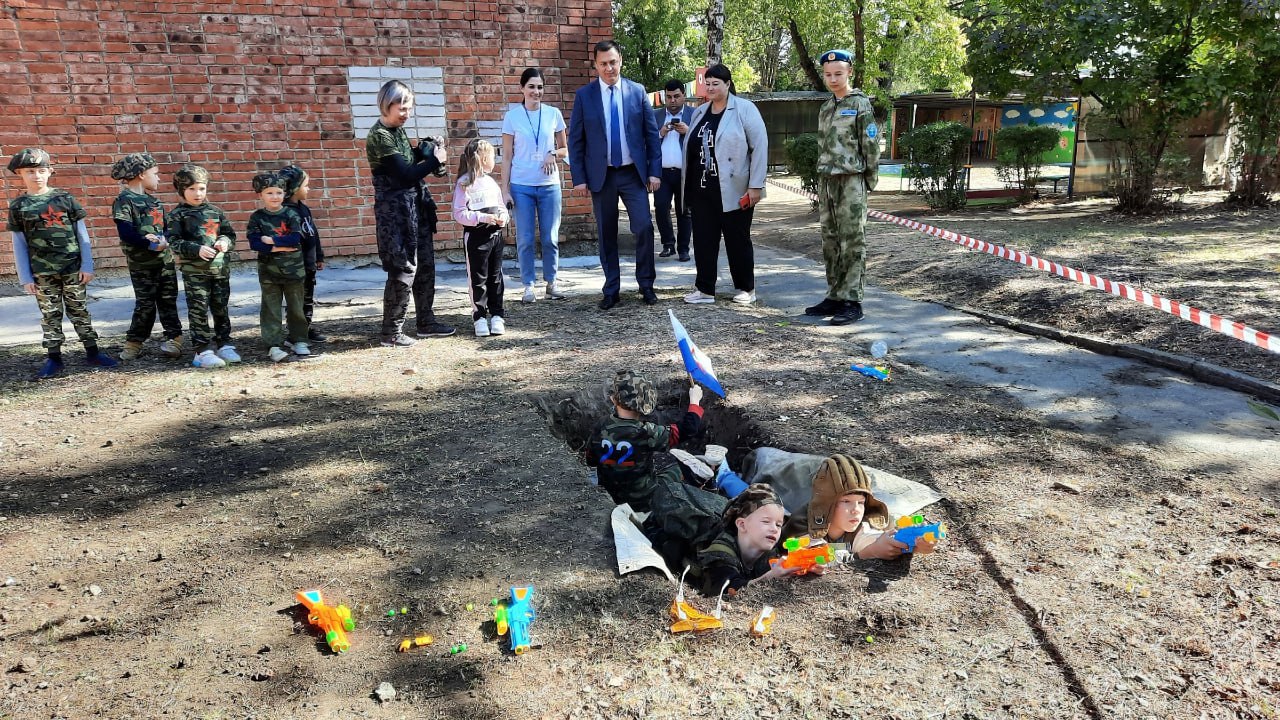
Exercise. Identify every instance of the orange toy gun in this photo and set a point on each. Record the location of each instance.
(803, 557)
(331, 621)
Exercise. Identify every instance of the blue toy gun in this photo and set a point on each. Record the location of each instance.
(514, 620)
(879, 373)
(913, 527)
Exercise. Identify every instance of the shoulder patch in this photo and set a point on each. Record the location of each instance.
(872, 131)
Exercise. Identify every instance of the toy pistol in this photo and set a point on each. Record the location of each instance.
(913, 527)
(514, 617)
(879, 373)
(332, 621)
(800, 555)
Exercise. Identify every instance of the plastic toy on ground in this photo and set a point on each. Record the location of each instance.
(687, 618)
(514, 617)
(763, 622)
(879, 373)
(420, 641)
(913, 527)
(803, 557)
(335, 623)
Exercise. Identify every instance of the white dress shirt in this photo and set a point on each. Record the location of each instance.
(672, 153)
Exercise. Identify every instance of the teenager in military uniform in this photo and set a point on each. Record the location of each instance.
(140, 223)
(52, 256)
(848, 167)
(275, 231)
(201, 235)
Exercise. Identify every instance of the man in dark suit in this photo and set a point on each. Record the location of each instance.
(673, 125)
(614, 152)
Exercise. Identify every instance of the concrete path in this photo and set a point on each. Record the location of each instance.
(1123, 399)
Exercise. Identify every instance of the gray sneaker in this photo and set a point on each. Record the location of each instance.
(398, 340)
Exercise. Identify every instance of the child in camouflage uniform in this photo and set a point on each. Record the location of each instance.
(52, 256)
(622, 450)
(741, 553)
(202, 236)
(297, 184)
(140, 223)
(275, 231)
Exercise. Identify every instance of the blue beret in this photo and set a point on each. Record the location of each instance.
(836, 56)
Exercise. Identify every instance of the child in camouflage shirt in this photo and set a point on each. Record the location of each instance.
(741, 554)
(297, 185)
(202, 236)
(140, 223)
(52, 256)
(275, 231)
(622, 450)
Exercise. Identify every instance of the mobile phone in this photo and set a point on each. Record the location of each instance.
(744, 202)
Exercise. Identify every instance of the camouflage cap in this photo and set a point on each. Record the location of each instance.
(29, 158)
(189, 175)
(836, 56)
(293, 176)
(841, 475)
(633, 392)
(265, 180)
(756, 496)
(131, 166)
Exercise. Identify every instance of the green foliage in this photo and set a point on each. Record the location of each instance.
(1248, 48)
(802, 159)
(1020, 155)
(658, 39)
(935, 162)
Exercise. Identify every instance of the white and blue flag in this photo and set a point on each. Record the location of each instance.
(695, 361)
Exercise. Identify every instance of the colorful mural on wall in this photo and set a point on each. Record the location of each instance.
(1059, 115)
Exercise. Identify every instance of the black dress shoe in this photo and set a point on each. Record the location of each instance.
(608, 301)
(826, 307)
(684, 257)
(850, 313)
(667, 252)
(649, 296)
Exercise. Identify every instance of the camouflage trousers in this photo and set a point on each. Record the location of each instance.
(842, 211)
(208, 295)
(155, 292)
(55, 291)
(289, 293)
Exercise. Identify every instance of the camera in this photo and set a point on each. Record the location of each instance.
(427, 148)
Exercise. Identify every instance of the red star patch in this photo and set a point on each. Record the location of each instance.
(282, 229)
(53, 218)
(210, 227)
(157, 216)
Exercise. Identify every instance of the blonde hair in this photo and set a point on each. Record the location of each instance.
(469, 169)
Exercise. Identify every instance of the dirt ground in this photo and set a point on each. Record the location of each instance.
(156, 521)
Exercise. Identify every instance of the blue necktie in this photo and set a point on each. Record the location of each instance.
(615, 130)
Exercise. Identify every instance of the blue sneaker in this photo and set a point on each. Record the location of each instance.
(100, 359)
(49, 369)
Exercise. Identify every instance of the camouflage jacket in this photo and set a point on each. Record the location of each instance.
(722, 560)
(622, 452)
(284, 228)
(48, 222)
(383, 142)
(191, 227)
(144, 215)
(849, 138)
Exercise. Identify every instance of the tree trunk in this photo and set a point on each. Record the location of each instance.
(803, 58)
(770, 58)
(859, 46)
(715, 32)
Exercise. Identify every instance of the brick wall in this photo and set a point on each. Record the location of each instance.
(240, 87)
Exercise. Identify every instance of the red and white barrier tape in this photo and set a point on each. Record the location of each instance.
(1214, 322)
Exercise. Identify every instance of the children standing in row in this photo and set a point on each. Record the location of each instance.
(297, 185)
(477, 206)
(202, 236)
(139, 221)
(275, 231)
(52, 256)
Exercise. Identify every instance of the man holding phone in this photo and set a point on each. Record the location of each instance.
(673, 126)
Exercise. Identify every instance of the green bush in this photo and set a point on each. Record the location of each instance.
(1018, 158)
(935, 162)
(802, 159)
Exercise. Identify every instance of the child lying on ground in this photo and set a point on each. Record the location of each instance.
(843, 511)
(741, 553)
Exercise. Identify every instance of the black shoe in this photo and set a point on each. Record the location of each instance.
(314, 336)
(684, 257)
(649, 296)
(850, 313)
(667, 251)
(435, 330)
(608, 301)
(51, 368)
(826, 307)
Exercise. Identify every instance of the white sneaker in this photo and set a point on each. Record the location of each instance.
(207, 359)
(529, 295)
(277, 355)
(698, 298)
(497, 325)
(482, 328)
(554, 292)
(745, 298)
(228, 353)
(301, 348)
